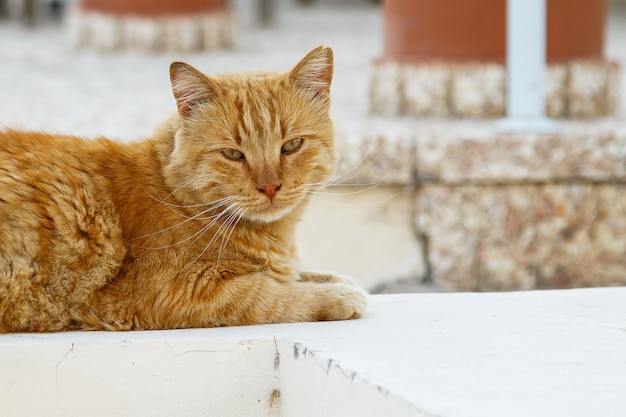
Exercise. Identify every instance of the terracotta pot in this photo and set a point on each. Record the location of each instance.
(152, 7)
(576, 29)
(422, 30)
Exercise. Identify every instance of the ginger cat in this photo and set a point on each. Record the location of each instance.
(192, 228)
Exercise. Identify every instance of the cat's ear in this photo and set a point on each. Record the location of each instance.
(315, 72)
(190, 87)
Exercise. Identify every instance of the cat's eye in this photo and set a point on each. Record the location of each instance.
(233, 154)
(291, 146)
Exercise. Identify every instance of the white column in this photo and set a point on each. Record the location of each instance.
(526, 67)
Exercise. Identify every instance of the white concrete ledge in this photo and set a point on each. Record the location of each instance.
(551, 353)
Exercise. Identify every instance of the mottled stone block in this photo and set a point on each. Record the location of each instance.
(371, 158)
(478, 90)
(581, 151)
(588, 86)
(144, 34)
(218, 31)
(97, 31)
(524, 237)
(613, 87)
(573, 89)
(106, 32)
(426, 89)
(182, 34)
(384, 89)
(556, 90)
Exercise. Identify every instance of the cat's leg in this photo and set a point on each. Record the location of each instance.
(258, 299)
(322, 278)
(210, 301)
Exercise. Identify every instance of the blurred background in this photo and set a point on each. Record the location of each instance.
(432, 195)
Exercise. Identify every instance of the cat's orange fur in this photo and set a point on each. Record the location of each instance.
(192, 228)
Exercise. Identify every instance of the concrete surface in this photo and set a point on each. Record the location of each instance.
(540, 354)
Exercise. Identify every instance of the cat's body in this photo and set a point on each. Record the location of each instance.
(192, 228)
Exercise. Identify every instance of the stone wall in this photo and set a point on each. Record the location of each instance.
(498, 211)
(580, 88)
(500, 237)
(105, 32)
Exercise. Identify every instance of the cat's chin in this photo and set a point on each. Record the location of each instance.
(270, 215)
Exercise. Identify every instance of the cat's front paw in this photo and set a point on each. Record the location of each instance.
(342, 302)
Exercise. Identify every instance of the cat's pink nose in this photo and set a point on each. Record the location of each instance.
(270, 190)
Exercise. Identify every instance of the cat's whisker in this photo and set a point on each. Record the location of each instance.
(158, 198)
(359, 191)
(354, 184)
(198, 216)
(195, 235)
(342, 177)
(174, 226)
(188, 206)
(234, 220)
(229, 201)
(323, 200)
(338, 180)
(225, 212)
(310, 189)
(229, 211)
(358, 169)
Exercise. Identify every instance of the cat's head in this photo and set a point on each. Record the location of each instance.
(257, 142)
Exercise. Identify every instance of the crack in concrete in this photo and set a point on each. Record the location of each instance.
(204, 351)
(56, 375)
(276, 355)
